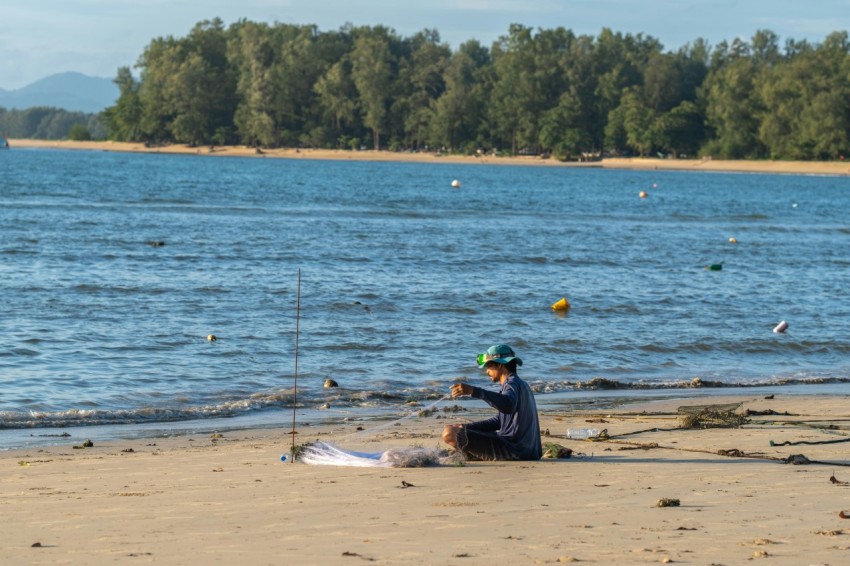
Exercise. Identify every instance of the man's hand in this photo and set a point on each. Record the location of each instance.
(459, 389)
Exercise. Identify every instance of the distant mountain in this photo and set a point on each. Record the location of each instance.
(69, 91)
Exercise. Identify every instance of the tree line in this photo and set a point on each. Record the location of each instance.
(544, 91)
(47, 123)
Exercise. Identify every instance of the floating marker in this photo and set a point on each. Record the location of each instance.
(456, 184)
(562, 305)
(733, 240)
(211, 338)
(781, 327)
(714, 267)
(330, 383)
(643, 194)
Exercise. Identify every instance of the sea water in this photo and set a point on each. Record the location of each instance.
(116, 267)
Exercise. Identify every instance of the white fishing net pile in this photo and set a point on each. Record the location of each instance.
(323, 454)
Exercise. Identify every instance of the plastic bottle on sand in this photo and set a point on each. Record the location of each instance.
(582, 433)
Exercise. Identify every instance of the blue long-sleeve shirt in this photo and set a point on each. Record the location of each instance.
(516, 423)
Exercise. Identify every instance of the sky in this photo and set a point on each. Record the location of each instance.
(39, 38)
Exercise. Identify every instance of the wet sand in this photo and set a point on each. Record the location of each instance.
(228, 498)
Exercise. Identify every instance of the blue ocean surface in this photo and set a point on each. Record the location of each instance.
(115, 268)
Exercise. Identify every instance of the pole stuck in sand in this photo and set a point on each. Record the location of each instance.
(293, 432)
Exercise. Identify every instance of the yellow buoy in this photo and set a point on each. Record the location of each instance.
(562, 305)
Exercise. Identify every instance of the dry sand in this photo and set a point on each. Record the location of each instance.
(202, 500)
(785, 167)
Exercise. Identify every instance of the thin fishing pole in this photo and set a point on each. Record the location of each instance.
(295, 381)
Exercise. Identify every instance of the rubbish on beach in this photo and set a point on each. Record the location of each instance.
(667, 502)
(797, 460)
(732, 453)
(711, 416)
(561, 305)
(552, 450)
(809, 442)
(582, 433)
(644, 446)
(781, 327)
(753, 412)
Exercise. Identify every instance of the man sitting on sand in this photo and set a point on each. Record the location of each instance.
(512, 434)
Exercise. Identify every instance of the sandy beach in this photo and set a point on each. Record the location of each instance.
(779, 167)
(229, 499)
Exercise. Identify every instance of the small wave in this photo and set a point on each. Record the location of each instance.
(452, 310)
(601, 383)
(24, 352)
(378, 399)
(748, 217)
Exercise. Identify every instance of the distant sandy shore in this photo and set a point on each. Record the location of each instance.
(774, 491)
(780, 167)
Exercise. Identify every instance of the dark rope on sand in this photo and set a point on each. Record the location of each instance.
(809, 442)
(797, 459)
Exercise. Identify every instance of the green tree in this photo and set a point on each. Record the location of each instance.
(732, 109)
(373, 73)
(805, 116)
(337, 95)
(459, 109)
(79, 132)
(298, 66)
(422, 74)
(123, 120)
(252, 54)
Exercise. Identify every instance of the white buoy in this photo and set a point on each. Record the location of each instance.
(643, 194)
(781, 327)
(456, 184)
(733, 240)
(211, 338)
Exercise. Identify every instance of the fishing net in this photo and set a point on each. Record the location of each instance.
(323, 454)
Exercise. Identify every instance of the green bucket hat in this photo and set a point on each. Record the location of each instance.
(501, 354)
